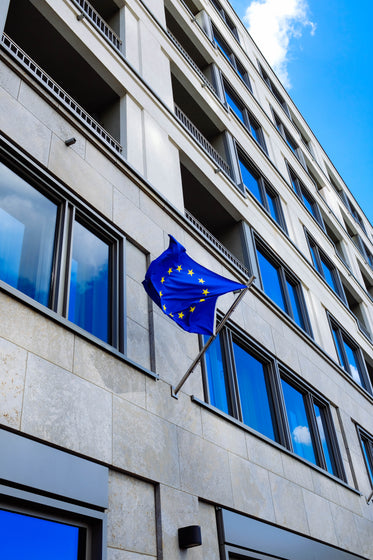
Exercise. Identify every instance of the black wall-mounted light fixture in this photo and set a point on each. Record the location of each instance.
(70, 141)
(190, 536)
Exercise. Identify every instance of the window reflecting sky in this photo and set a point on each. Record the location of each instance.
(29, 538)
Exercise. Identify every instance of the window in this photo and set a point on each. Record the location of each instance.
(259, 187)
(274, 90)
(325, 267)
(54, 252)
(366, 441)
(247, 119)
(232, 59)
(289, 140)
(282, 286)
(245, 382)
(225, 18)
(350, 356)
(305, 196)
(41, 538)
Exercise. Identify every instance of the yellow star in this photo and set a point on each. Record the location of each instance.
(162, 280)
(201, 281)
(205, 292)
(202, 300)
(190, 272)
(192, 309)
(171, 315)
(181, 315)
(169, 270)
(160, 294)
(164, 308)
(179, 268)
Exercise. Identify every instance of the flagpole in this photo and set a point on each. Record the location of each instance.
(175, 390)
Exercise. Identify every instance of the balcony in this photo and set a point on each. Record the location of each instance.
(61, 96)
(209, 214)
(107, 12)
(36, 45)
(202, 142)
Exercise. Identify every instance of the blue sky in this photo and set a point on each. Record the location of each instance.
(325, 56)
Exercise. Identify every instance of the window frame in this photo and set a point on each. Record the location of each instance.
(340, 337)
(289, 140)
(68, 208)
(265, 188)
(285, 276)
(321, 257)
(274, 371)
(367, 451)
(303, 194)
(276, 94)
(228, 53)
(91, 521)
(248, 120)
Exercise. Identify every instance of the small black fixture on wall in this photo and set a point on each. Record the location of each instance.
(190, 536)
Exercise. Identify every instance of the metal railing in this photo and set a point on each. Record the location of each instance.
(54, 89)
(216, 243)
(191, 62)
(94, 17)
(201, 141)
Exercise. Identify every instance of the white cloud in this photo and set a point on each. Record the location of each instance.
(301, 434)
(272, 24)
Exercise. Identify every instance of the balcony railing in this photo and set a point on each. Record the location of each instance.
(202, 142)
(215, 243)
(96, 20)
(191, 62)
(54, 89)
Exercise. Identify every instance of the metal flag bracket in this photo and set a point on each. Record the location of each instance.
(175, 390)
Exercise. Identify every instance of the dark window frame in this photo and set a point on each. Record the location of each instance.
(237, 65)
(285, 276)
(70, 208)
(90, 522)
(305, 196)
(277, 95)
(227, 20)
(274, 371)
(321, 258)
(289, 139)
(366, 445)
(249, 121)
(340, 337)
(265, 188)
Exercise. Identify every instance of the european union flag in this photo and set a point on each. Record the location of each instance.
(185, 290)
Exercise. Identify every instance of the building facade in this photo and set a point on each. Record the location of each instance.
(123, 121)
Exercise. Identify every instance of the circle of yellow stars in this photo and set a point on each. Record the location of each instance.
(179, 268)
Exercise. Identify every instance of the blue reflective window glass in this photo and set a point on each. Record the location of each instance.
(89, 283)
(255, 403)
(353, 364)
(295, 304)
(255, 131)
(338, 346)
(298, 422)
(315, 259)
(23, 537)
(321, 425)
(272, 201)
(27, 232)
(249, 180)
(367, 455)
(271, 280)
(216, 378)
(328, 274)
(222, 47)
(233, 104)
(309, 204)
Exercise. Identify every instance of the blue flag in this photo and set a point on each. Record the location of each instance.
(186, 291)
